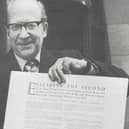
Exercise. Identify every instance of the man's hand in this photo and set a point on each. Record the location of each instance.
(65, 65)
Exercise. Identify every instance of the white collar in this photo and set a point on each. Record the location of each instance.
(22, 62)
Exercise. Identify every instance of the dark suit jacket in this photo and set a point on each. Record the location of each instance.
(9, 63)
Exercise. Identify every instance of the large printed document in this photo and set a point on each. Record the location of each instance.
(83, 102)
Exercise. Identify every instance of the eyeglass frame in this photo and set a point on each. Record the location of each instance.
(20, 25)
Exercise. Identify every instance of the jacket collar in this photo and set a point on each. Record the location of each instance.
(12, 62)
(46, 60)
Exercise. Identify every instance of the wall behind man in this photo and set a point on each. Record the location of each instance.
(2, 26)
(67, 22)
(109, 32)
(117, 18)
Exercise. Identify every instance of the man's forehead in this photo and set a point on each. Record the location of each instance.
(25, 10)
(23, 5)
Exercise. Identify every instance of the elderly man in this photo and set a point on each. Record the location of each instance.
(27, 28)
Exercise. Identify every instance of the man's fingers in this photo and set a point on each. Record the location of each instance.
(53, 74)
(50, 74)
(61, 75)
(56, 72)
(56, 76)
(66, 65)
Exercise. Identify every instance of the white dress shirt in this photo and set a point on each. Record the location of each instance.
(22, 62)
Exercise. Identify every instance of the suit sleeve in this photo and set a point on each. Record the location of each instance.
(105, 69)
(99, 68)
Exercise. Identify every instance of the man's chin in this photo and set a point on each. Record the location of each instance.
(28, 55)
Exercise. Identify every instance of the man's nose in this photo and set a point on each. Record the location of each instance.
(23, 34)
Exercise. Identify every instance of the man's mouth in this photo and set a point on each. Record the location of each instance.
(25, 43)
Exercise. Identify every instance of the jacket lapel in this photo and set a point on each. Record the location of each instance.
(12, 62)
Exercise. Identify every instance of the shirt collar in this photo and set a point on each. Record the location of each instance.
(22, 62)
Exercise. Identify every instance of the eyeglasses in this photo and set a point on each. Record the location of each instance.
(29, 26)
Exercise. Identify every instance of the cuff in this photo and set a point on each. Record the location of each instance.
(91, 68)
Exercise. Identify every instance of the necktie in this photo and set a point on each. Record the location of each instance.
(31, 66)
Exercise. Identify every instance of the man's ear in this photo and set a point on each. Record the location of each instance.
(7, 32)
(45, 28)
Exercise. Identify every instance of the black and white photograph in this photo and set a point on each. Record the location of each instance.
(64, 64)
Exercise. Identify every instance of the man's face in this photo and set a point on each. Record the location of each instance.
(26, 41)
